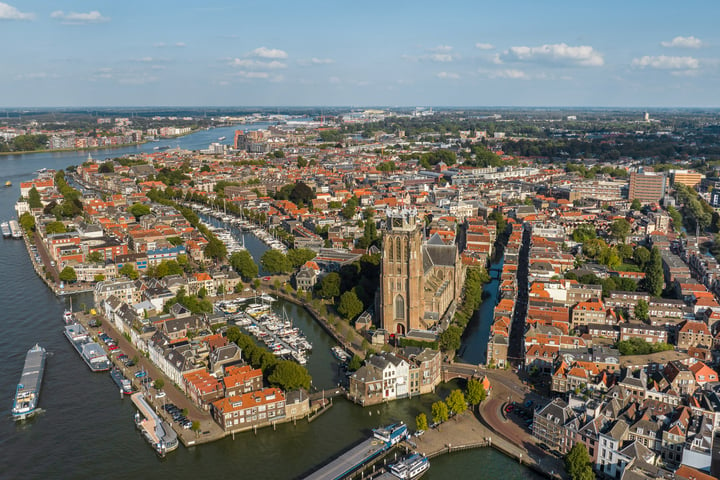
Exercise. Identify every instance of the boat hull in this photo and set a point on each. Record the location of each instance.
(27, 394)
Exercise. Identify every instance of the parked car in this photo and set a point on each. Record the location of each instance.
(160, 394)
(141, 374)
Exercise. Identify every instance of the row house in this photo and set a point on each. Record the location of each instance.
(202, 388)
(648, 333)
(692, 333)
(243, 379)
(585, 313)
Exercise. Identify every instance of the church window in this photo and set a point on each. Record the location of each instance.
(399, 307)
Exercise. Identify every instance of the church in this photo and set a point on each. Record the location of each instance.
(420, 281)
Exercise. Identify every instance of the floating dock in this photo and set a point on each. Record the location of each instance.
(158, 433)
(350, 461)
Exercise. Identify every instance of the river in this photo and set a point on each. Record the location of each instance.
(86, 430)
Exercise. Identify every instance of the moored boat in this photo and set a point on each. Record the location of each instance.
(15, 229)
(92, 353)
(5, 227)
(123, 383)
(27, 393)
(392, 434)
(69, 318)
(411, 467)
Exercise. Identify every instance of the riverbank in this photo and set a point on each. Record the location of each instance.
(99, 147)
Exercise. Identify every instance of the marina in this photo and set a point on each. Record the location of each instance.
(277, 333)
(236, 226)
(27, 394)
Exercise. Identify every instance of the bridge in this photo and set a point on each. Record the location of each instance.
(451, 371)
(328, 393)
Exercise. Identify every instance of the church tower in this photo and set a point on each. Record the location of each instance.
(401, 276)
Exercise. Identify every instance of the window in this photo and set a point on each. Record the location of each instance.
(399, 307)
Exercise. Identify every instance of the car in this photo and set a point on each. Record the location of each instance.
(168, 406)
(419, 433)
(160, 394)
(267, 279)
(187, 425)
(509, 408)
(434, 425)
(112, 347)
(130, 364)
(141, 374)
(146, 380)
(122, 356)
(528, 404)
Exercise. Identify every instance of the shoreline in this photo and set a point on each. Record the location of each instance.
(91, 149)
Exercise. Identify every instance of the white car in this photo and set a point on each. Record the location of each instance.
(159, 394)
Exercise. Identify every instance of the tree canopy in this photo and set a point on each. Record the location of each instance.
(288, 375)
(475, 392)
(298, 256)
(350, 305)
(138, 210)
(329, 286)
(34, 198)
(244, 265)
(654, 277)
(129, 271)
(439, 412)
(456, 401)
(68, 274)
(275, 262)
(577, 463)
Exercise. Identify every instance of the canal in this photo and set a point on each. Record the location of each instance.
(476, 336)
(86, 430)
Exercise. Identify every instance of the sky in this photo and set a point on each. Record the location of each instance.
(631, 53)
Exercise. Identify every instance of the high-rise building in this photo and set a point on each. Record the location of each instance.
(648, 187)
(419, 280)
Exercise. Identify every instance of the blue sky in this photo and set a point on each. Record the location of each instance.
(631, 53)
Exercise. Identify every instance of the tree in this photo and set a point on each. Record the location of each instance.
(350, 305)
(456, 401)
(577, 463)
(275, 262)
(620, 229)
(68, 274)
(34, 198)
(583, 233)
(27, 222)
(641, 310)
(55, 227)
(641, 256)
(238, 288)
(244, 265)
(215, 249)
(95, 257)
(106, 167)
(159, 384)
(301, 193)
(330, 285)
(475, 392)
(450, 338)
(202, 293)
(421, 422)
(350, 208)
(301, 162)
(138, 210)
(195, 427)
(129, 271)
(298, 256)
(636, 205)
(654, 277)
(439, 412)
(99, 277)
(289, 375)
(355, 363)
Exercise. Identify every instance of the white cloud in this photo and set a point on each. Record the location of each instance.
(8, 12)
(250, 75)
(664, 62)
(75, 18)
(264, 52)
(169, 45)
(256, 64)
(441, 57)
(36, 76)
(441, 48)
(510, 73)
(448, 75)
(683, 42)
(484, 46)
(334, 80)
(557, 54)
(315, 61)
